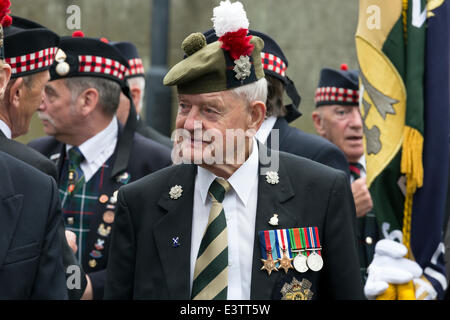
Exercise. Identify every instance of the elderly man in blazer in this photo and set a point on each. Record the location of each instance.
(228, 221)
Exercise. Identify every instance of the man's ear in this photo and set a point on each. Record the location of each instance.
(136, 94)
(87, 101)
(318, 122)
(16, 92)
(257, 114)
(5, 75)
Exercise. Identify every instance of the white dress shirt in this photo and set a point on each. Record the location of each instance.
(240, 211)
(5, 129)
(266, 127)
(98, 149)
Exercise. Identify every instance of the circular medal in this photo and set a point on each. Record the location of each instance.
(300, 263)
(108, 216)
(315, 262)
(103, 198)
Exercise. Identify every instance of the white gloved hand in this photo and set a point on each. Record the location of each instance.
(389, 266)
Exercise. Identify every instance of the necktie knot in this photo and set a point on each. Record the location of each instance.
(218, 189)
(355, 169)
(75, 156)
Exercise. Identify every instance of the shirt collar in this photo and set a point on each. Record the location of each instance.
(242, 179)
(5, 129)
(94, 146)
(263, 133)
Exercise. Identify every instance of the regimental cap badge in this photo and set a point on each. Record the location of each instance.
(62, 67)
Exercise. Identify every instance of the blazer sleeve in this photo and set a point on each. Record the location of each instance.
(69, 260)
(343, 278)
(122, 252)
(50, 281)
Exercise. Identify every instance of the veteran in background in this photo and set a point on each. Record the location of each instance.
(338, 119)
(209, 227)
(95, 155)
(135, 76)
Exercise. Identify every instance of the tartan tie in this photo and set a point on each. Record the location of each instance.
(355, 170)
(75, 176)
(211, 267)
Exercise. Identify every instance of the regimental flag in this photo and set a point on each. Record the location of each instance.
(391, 47)
(430, 200)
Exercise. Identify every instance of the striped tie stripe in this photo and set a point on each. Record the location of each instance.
(211, 266)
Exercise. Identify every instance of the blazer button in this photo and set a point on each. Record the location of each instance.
(369, 240)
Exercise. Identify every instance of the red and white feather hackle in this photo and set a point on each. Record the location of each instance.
(231, 27)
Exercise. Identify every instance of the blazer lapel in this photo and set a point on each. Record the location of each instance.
(270, 201)
(176, 226)
(10, 209)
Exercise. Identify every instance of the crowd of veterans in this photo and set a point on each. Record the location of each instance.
(100, 197)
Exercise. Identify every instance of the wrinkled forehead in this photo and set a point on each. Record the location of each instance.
(215, 98)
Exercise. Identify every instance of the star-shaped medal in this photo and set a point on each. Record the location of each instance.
(269, 264)
(286, 262)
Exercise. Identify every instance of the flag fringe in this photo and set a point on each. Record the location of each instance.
(412, 167)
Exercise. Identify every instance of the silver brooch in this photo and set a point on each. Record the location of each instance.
(175, 192)
(242, 67)
(272, 177)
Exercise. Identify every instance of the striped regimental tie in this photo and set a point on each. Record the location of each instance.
(211, 266)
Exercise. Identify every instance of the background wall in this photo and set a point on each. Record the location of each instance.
(312, 34)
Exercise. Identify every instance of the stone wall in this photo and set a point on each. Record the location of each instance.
(312, 34)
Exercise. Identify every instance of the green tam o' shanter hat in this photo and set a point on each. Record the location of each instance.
(233, 61)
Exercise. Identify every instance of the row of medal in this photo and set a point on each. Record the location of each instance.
(105, 227)
(296, 248)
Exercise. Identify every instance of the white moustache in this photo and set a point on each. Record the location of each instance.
(43, 116)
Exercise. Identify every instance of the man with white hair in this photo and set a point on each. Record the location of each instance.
(228, 222)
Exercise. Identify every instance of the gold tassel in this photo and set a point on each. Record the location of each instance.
(411, 166)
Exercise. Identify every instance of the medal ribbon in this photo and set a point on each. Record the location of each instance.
(297, 240)
(282, 234)
(314, 233)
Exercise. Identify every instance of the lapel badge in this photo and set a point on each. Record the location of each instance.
(55, 157)
(297, 290)
(92, 263)
(103, 198)
(272, 177)
(175, 192)
(124, 178)
(113, 198)
(96, 254)
(175, 242)
(70, 220)
(99, 245)
(108, 216)
(104, 231)
(274, 220)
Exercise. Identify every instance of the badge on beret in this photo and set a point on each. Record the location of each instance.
(62, 67)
